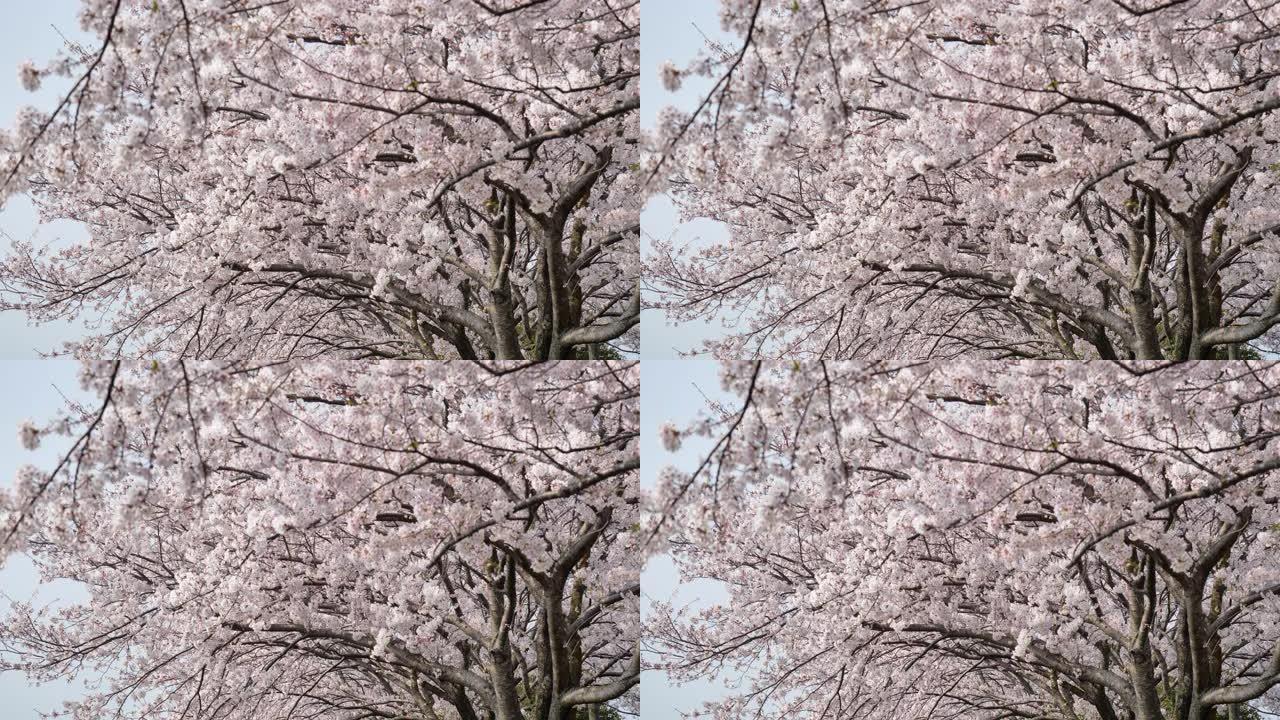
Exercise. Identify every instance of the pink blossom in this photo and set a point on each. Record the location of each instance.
(1025, 179)
(883, 529)
(243, 529)
(29, 76)
(29, 435)
(251, 178)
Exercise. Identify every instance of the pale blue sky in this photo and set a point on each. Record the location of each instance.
(674, 30)
(674, 391)
(31, 388)
(30, 31)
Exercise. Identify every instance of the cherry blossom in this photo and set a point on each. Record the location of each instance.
(1080, 541)
(29, 76)
(988, 178)
(333, 540)
(356, 177)
(29, 435)
(670, 437)
(670, 77)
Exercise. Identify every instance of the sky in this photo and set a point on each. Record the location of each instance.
(36, 390)
(674, 391)
(32, 388)
(685, 26)
(32, 31)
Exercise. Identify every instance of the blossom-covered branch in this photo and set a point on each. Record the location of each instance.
(1065, 541)
(377, 179)
(330, 540)
(982, 178)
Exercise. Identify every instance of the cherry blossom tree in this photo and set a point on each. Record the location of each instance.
(988, 178)
(366, 178)
(1082, 541)
(329, 540)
